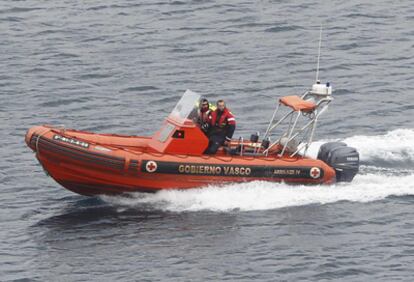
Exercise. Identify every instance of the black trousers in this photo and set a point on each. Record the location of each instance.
(216, 141)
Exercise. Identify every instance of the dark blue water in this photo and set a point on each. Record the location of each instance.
(120, 67)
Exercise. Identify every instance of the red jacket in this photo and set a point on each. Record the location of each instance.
(204, 116)
(223, 122)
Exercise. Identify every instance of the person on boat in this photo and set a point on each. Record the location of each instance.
(204, 115)
(222, 126)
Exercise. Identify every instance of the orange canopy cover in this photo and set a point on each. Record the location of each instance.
(297, 103)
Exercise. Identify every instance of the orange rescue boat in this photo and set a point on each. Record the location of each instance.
(92, 164)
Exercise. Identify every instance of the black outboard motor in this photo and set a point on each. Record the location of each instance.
(344, 159)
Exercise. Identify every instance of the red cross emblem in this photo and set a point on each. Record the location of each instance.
(315, 172)
(151, 166)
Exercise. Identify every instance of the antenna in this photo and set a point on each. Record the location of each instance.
(319, 54)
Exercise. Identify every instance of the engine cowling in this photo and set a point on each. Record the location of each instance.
(342, 158)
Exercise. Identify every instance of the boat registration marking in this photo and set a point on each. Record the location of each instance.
(72, 141)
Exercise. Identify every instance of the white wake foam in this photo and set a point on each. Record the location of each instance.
(265, 195)
(394, 147)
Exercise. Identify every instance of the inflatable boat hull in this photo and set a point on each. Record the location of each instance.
(94, 164)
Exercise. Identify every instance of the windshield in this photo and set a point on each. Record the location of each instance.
(186, 108)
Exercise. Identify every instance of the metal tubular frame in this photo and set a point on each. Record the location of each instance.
(290, 130)
(291, 133)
